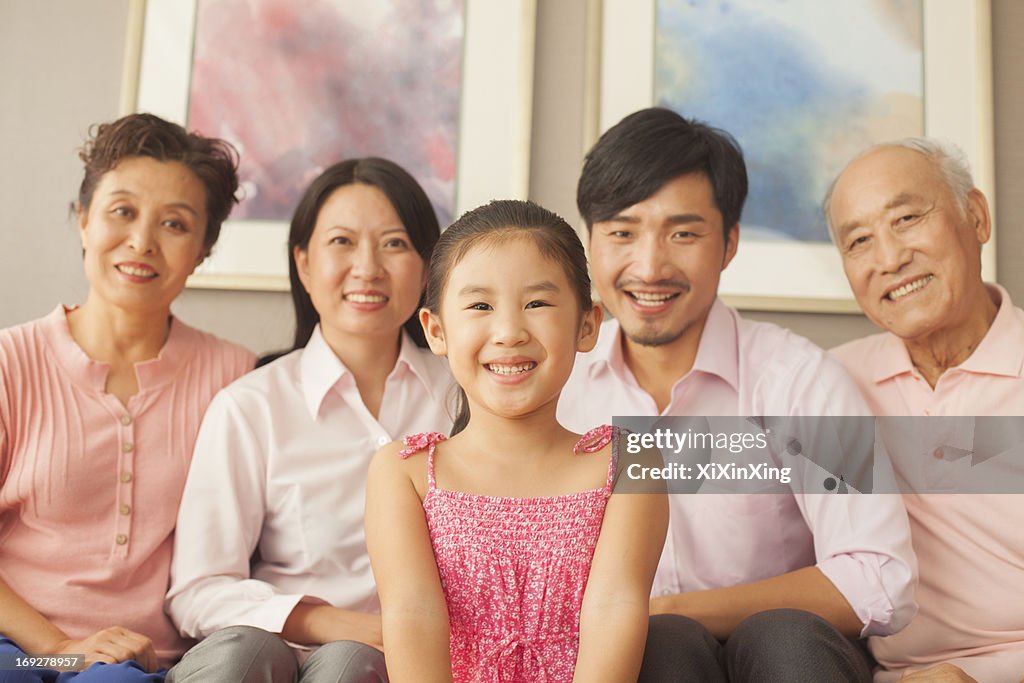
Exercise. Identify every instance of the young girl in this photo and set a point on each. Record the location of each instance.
(501, 554)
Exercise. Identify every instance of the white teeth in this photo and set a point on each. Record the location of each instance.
(136, 272)
(511, 369)
(908, 288)
(366, 298)
(651, 299)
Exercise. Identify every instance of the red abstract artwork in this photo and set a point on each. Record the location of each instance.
(298, 86)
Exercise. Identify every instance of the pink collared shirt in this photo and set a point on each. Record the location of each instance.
(970, 546)
(89, 488)
(280, 467)
(861, 543)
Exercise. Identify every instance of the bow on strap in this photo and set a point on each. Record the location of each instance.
(501, 660)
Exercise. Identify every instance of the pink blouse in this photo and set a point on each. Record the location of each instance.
(514, 571)
(89, 488)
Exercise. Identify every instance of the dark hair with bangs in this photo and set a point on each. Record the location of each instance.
(495, 223)
(638, 155)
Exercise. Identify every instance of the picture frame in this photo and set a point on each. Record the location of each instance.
(495, 112)
(808, 277)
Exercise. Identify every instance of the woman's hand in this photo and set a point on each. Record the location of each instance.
(110, 646)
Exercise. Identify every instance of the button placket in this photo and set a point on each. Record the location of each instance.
(125, 486)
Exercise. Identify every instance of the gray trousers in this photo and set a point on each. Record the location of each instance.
(245, 654)
(782, 645)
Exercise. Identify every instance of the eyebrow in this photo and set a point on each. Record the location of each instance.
(542, 286)
(175, 205)
(386, 232)
(675, 219)
(902, 199)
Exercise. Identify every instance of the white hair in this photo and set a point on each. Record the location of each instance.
(946, 158)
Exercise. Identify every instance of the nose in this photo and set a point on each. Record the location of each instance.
(142, 237)
(892, 252)
(367, 262)
(510, 329)
(649, 261)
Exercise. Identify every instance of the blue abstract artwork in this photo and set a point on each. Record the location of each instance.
(803, 85)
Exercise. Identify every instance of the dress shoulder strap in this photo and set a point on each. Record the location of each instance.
(596, 439)
(424, 441)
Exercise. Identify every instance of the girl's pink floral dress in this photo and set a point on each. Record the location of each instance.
(514, 571)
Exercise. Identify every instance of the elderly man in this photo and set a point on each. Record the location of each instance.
(751, 586)
(910, 225)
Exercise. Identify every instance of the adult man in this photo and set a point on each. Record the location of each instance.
(661, 197)
(910, 224)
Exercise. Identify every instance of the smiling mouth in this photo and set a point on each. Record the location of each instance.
(366, 298)
(510, 370)
(136, 272)
(652, 299)
(909, 288)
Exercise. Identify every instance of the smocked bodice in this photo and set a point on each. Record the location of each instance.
(514, 572)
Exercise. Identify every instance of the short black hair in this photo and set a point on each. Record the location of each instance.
(638, 155)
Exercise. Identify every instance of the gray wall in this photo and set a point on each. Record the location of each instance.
(60, 70)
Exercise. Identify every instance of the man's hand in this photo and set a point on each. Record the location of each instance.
(943, 673)
(369, 630)
(110, 646)
(311, 624)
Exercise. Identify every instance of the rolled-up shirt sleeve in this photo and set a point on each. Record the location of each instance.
(861, 540)
(219, 526)
(869, 561)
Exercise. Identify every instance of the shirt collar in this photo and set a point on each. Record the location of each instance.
(717, 352)
(1001, 351)
(321, 369)
(893, 360)
(92, 374)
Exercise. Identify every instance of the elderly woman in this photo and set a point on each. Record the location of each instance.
(281, 460)
(100, 405)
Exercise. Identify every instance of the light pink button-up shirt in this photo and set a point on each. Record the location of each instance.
(89, 487)
(970, 546)
(861, 543)
(280, 466)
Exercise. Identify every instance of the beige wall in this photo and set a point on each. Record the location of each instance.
(60, 70)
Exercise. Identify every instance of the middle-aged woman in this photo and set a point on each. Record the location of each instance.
(282, 456)
(99, 408)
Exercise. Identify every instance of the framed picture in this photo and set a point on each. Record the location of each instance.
(804, 85)
(442, 87)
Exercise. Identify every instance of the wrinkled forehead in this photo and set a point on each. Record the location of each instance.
(881, 180)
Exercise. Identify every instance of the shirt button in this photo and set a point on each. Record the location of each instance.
(121, 539)
(125, 509)
(938, 454)
(126, 476)
(666, 591)
(127, 447)
(383, 441)
(126, 420)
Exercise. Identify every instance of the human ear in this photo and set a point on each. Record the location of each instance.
(432, 330)
(590, 325)
(82, 215)
(978, 215)
(732, 242)
(301, 257)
